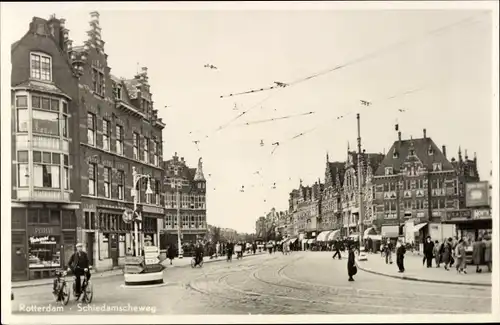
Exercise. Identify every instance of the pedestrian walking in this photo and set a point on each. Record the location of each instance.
(388, 252)
(428, 251)
(382, 250)
(337, 250)
(170, 253)
(487, 252)
(478, 254)
(447, 253)
(351, 264)
(400, 255)
(460, 254)
(435, 253)
(230, 251)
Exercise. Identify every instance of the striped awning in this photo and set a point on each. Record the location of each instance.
(310, 241)
(293, 240)
(323, 235)
(333, 235)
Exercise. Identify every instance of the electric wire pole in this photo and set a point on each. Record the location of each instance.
(360, 185)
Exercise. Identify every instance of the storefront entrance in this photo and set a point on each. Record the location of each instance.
(113, 248)
(90, 247)
(19, 265)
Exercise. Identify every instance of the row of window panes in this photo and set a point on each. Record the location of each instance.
(46, 115)
(91, 137)
(41, 66)
(120, 183)
(46, 170)
(49, 216)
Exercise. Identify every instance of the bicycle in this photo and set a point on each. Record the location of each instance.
(61, 289)
(194, 262)
(86, 289)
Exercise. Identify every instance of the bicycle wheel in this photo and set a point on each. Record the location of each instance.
(201, 263)
(88, 293)
(193, 263)
(65, 293)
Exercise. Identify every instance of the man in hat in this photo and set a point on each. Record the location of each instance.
(79, 264)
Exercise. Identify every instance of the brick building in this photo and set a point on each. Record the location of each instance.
(260, 228)
(119, 129)
(304, 211)
(331, 199)
(190, 184)
(45, 173)
(416, 185)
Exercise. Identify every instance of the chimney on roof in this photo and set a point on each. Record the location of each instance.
(425, 134)
(444, 151)
(399, 136)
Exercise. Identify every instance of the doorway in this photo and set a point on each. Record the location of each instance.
(113, 248)
(90, 244)
(19, 258)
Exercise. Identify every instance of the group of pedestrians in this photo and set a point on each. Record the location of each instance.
(454, 252)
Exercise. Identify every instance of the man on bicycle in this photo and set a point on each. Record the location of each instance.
(198, 251)
(79, 264)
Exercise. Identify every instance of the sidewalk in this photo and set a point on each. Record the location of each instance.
(414, 270)
(184, 262)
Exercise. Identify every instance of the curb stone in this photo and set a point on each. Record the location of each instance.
(409, 278)
(104, 274)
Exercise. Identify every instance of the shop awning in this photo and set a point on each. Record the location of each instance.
(293, 240)
(374, 237)
(310, 241)
(333, 235)
(366, 233)
(354, 236)
(417, 228)
(323, 235)
(390, 231)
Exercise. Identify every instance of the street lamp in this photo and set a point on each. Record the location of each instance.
(177, 185)
(136, 177)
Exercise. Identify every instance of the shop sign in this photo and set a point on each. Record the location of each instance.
(458, 214)
(150, 209)
(476, 194)
(482, 214)
(43, 240)
(33, 230)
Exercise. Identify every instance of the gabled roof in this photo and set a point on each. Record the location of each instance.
(421, 149)
(336, 168)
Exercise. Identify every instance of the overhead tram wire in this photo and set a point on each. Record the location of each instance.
(274, 119)
(352, 111)
(361, 58)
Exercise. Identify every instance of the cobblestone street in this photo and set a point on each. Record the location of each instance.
(303, 282)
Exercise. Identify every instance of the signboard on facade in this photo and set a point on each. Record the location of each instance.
(458, 214)
(476, 194)
(481, 214)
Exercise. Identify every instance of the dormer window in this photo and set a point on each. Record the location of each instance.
(395, 155)
(118, 91)
(430, 151)
(412, 152)
(41, 66)
(388, 170)
(436, 167)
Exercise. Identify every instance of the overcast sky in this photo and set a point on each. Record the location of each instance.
(451, 70)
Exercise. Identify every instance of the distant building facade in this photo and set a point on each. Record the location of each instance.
(191, 185)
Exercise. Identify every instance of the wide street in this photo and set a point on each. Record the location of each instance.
(300, 283)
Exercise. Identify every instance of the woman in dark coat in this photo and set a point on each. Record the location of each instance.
(447, 250)
(351, 264)
(428, 251)
(478, 253)
(487, 252)
(170, 253)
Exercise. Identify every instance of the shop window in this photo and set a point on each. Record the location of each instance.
(104, 246)
(121, 245)
(43, 216)
(68, 219)
(44, 251)
(55, 217)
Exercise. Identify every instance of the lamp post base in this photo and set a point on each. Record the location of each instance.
(132, 279)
